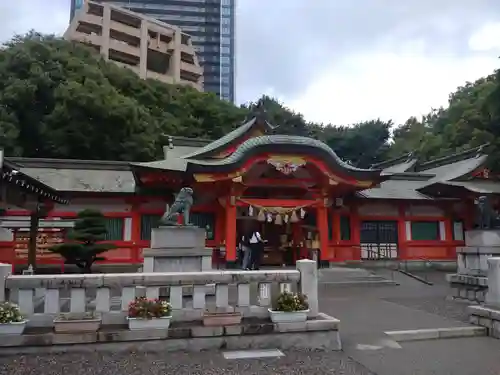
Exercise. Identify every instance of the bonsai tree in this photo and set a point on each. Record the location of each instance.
(85, 244)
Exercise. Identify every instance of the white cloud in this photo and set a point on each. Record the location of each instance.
(487, 38)
(20, 16)
(393, 84)
(392, 80)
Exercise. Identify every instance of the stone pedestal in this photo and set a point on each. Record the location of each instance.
(177, 249)
(471, 280)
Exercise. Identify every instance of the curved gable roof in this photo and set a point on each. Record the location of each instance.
(284, 144)
(229, 138)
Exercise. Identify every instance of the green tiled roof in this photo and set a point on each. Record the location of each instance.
(278, 140)
(84, 180)
(474, 186)
(401, 167)
(228, 138)
(172, 163)
(236, 133)
(395, 189)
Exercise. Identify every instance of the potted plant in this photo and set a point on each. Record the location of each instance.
(77, 322)
(289, 308)
(12, 322)
(217, 318)
(145, 313)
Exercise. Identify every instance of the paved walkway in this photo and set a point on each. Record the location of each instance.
(365, 313)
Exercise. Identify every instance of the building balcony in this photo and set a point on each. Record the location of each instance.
(93, 39)
(159, 46)
(192, 68)
(133, 68)
(124, 47)
(160, 77)
(118, 26)
(91, 18)
(187, 49)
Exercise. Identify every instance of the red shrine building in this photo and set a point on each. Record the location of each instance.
(296, 191)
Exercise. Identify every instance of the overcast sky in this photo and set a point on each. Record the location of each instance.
(339, 61)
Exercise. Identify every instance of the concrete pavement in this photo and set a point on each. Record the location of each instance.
(366, 313)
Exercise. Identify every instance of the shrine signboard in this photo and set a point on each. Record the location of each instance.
(46, 238)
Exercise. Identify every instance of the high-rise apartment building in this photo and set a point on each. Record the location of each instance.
(149, 47)
(211, 23)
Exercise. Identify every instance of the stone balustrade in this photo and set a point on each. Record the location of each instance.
(43, 297)
(488, 316)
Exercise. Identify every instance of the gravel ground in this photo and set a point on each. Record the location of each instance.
(204, 363)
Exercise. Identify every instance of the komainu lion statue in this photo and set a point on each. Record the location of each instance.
(487, 217)
(182, 205)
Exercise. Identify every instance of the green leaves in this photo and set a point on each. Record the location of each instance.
(62, 100)
(84, 245)
(472, 118)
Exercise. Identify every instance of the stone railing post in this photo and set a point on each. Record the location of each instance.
(309, 283)
(5, 270)
(493, 294)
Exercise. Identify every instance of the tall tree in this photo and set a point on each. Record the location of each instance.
(290, 122)
(62, 100)
(471, 118)
(361, 144)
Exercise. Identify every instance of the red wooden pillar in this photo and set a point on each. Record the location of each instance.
(448, 231)
(230, 233)
(219, 225)
(355, 224)
(322, 222)
(298, 238)
(402, 240)
(336, 233)
(448, 227)
(220, 235)
(135, 236)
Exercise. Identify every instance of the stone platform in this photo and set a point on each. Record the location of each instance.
(321, 333)
(468, 288)
(177, 249)
(487, 317)
(471, 282)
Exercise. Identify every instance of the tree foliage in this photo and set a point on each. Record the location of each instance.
(361, 144)
(60, 99)
(85, 241)
(471, 119)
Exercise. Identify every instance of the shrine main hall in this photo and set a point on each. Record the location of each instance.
(296, 191)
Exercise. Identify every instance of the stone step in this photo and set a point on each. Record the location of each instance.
(436, 333)
(341, 275)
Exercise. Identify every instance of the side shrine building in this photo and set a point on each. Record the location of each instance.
(296, 191)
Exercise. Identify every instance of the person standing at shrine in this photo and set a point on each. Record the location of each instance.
(257, 249)
(246, 250)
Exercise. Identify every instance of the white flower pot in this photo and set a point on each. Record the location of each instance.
(14, 328)
(288, 316)
(135, 324)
